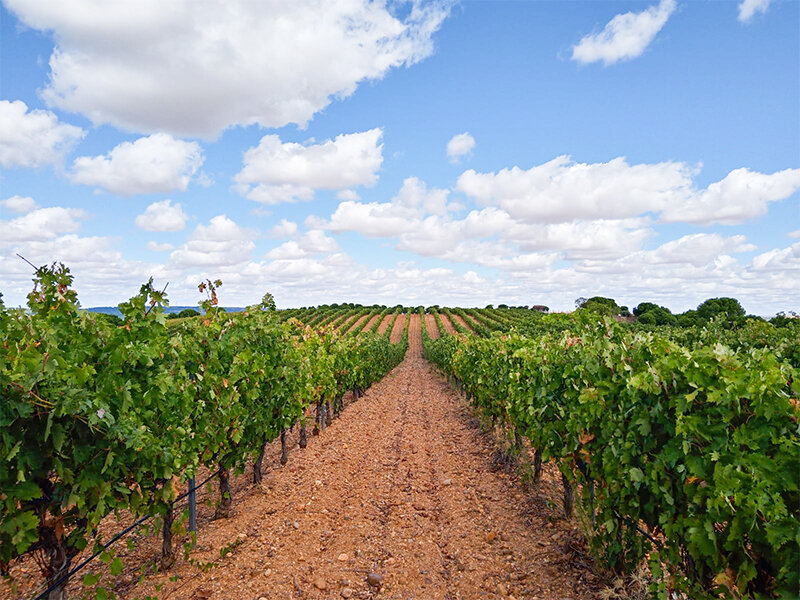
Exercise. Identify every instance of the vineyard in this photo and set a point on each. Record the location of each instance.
(674, 448)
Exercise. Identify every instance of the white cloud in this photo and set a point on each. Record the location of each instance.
(33, 138)
(626, 36)
(221, 243)
(311, 243)
(348, 195)
(41, 224)
(149, 165)
(162, 216)
(157, 247)
(193, 69)
(18, 204)
(275, 172)
(782, 260)
(741, 196)
(563, 191)
(748, 9)
(459, 145)
(284, 229)
(794, 234)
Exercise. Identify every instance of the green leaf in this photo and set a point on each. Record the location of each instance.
(636, 474)
(115, 567)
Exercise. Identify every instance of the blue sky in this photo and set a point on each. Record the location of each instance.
(414, 152)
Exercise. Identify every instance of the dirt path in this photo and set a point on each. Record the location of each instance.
(431, 326)
(371, 322)
(387, 320)
(357, 324)
(402, 485)
(397, 330)
(460, 321)
(447, 324)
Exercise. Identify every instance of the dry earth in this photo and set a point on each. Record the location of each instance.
(371, 322)
(431, 326)
(387, 320)
(458, 319)
(397, 330)
(447, 324)
(357, 324)
(405, 486)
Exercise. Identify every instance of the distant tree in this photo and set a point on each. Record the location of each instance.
(489, 306)
(110, 319)
(267, 302)
(502, 306)
(183, 314)
(657, 316)
(644, 307)
(601, 305)
(580, 301)
(689, 319)
(540, 308)
(728, 308)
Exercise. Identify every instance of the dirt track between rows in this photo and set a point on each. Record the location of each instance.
(402, 484)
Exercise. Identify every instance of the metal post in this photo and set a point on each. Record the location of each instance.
(192, 506)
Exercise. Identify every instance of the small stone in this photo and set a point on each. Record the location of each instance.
(268, 572)
(447, 482)
(318, 482)
(390, 560)
(490, 536)
(345, 581)
(296, 525)
(346, 593)
(375, 580)
(342, 557)
(320, 584)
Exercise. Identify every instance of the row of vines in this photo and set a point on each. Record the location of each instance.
(683, 449)
(97, 418)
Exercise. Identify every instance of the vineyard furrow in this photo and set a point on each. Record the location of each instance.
(357, 324)
(432, 327)
(397, 330)
(402, 485)
(447, 324)
(387, 320)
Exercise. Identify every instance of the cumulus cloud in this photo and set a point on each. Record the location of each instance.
(285, 228)
(221, 243)
(460, 145)
(748, 9)
(742, 195)
(149, 165)
(275, 172)
(18, 204)
(157, 247)
(33, 138)
(157, 66)
(41, 224)
(563, 191)
(626, 36)
(162, 216)
(795, 234)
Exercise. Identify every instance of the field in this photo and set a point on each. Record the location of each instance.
(395, 452)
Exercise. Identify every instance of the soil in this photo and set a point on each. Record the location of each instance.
(402, 497)
(371, 322)
(357, 324)
(458, 319)
(431, 326)
(387, 320)
(447, 324)
(397, 330)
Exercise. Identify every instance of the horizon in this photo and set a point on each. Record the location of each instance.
(426, 153)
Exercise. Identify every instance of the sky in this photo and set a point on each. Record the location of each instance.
(425, 152)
